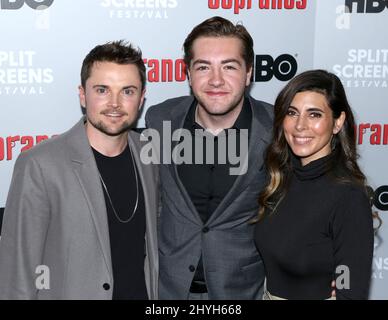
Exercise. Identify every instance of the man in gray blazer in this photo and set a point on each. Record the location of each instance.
(80, 218)
(206, 244)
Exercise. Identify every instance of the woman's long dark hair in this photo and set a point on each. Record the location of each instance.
(278, 154)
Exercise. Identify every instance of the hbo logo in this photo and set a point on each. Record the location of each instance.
(33, 4)
(283, 67)
(367, 6)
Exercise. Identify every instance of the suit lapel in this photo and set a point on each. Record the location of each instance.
(178, 116)
(259, 139)
(85, 169)
(151, 210)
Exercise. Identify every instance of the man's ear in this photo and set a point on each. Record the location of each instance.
(142, 99)
(189, 76)
(82, 97)
(249, 76)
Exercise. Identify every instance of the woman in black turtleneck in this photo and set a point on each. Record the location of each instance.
(315, 222)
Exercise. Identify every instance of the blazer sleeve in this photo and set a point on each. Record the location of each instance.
(353, 245)
(24, 230)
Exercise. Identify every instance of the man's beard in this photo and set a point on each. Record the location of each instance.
(126, 126)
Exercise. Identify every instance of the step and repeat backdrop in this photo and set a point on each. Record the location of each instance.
(43, 43)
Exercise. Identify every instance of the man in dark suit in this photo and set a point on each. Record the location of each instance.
(206, 246)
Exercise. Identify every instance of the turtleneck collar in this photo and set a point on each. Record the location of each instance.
(312, 170)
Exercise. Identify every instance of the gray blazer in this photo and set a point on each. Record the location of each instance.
(233, 268)
(56, 216)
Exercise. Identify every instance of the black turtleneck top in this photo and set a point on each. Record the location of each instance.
(318, 231)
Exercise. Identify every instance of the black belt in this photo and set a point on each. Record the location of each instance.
(197, 287)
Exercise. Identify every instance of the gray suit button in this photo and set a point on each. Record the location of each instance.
(205, 230)
(106, 286)
(192, 268)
